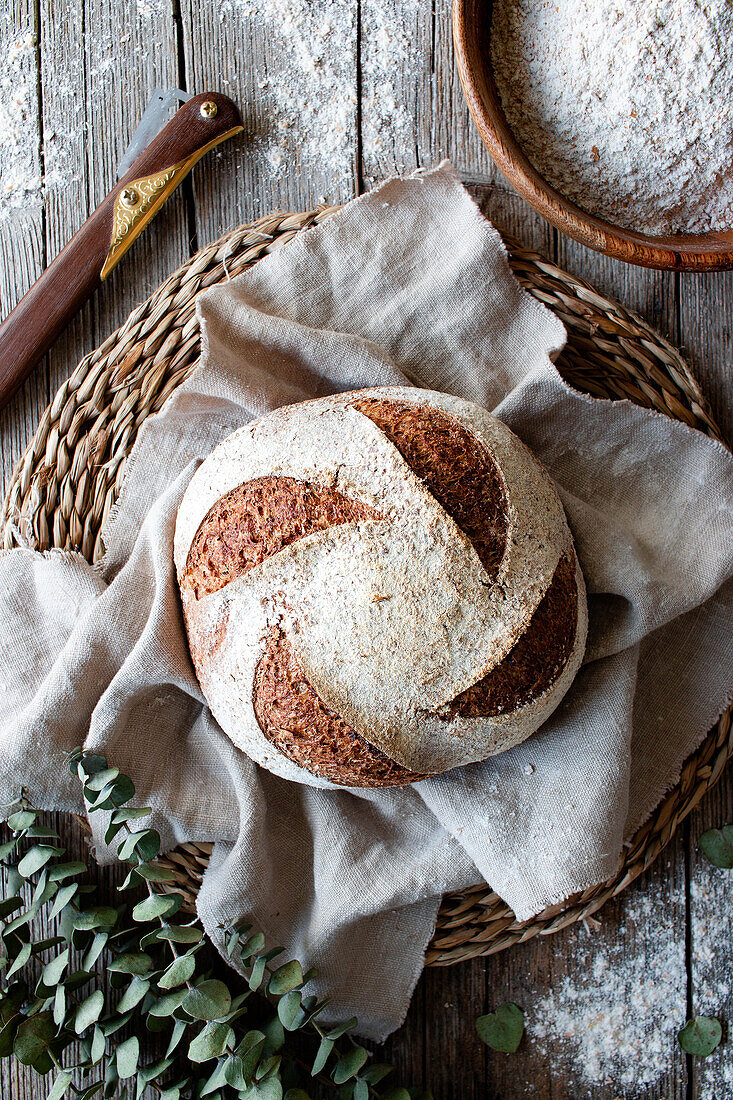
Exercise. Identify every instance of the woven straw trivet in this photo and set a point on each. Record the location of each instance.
(71, 473)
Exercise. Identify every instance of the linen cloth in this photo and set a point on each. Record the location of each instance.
(408, 283)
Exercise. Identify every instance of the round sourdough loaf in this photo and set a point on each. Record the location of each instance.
(378, 586)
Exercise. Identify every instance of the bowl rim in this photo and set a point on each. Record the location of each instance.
(682, 252)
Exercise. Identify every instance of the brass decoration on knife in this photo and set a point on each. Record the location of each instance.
(141, 199)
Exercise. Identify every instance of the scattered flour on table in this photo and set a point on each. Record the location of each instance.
(624, 105)
(311, 96)
(618, 1025)
(20, 173)
(712, 946)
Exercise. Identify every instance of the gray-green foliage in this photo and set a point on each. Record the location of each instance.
(218, 1040)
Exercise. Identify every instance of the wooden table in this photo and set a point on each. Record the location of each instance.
(382, 97)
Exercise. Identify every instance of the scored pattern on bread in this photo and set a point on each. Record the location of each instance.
(388, 590)
(305, 730)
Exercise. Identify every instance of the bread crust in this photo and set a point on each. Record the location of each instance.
(378, 565)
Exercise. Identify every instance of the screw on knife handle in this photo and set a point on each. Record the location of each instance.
(39, 318)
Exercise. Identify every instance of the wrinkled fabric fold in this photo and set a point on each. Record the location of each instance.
(408, 284)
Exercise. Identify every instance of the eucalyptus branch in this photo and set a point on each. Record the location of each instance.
(218, 1043)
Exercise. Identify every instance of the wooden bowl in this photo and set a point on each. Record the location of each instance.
(684, 252)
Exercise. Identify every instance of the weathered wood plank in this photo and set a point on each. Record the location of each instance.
(291, 67)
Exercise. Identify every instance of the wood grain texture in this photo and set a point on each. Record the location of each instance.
(97, 62)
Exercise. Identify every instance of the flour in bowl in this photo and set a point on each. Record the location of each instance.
(624, 106)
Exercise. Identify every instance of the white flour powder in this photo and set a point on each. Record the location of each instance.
(624, 105)
(618, 1024)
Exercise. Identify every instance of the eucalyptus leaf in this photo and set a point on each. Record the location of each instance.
(53, 970)
(133, 962)
(216, 1079)
(89, 1011)
(211, 1042)
(179, 972)
(264, 1090)
(167, 1005)
(153, 872)
(60, 871)
(210, 1000)
(296, 1094)
(100, 779)
(274, 1036)
(62, 899)
(179, 1030)
(7, 848)
(60, 1085)
(156, 906)
(99, 1045)
(20, 959)
(133, 995)
(99, 916)
(21, 820)
(338, 1030)
(286, 978)
(181, 933)
(502, 1030)
(59, 1006)
(91, 763)
(7, 1035)
(36, 858)
(33, 1038)
(717, 845)
(95, 949)
(377, 1072)
(700, 1036)
(268, 1067)
(253, 945)
(290, 1011)
(127, 1057)
(322, 1055)
(361, 1091)
(10, 905)
(349, 1065)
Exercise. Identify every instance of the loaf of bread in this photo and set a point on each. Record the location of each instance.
(377, 587)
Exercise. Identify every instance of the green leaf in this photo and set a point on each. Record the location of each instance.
(90, 763)
(62, 899)
(33, 1039)
(290, 1011)
(60, 1085)
(286, 978)
(181, 933)
(127, 1057)
(156, 906)
(100, 779)
(211, 1042)
(253, 945)
(168, 1004)
(274, 1036)
(8, 848)
(208, 1001)
(21, 819)
(133, 995)
(179, 1030)
(361, 1091)
(153, 872)
(296, 1094)
(145, 845)
(215, 1081)
(717, 845)
(123, 789)
(322, 1055)
(700, 1036)
(10, 905)
(7, 1035)
(59, 1006)
(119, 817)
(246, 1059)
(99, 1045)
(271, 1089)
(179, 972)
(66, 870)
(99, 916)
(349, 1065)
(133, 962)
(89, 1011)
(377, 1072)
(20, 959)
(398, 1094)
(502, 1030)
(52, 971)
(36, 858)
(96, 948)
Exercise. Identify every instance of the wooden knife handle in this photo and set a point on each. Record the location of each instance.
(30, 329)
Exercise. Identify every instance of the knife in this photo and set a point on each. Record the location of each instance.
(94, 251)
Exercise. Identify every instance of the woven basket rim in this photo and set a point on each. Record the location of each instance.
(69, 476)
